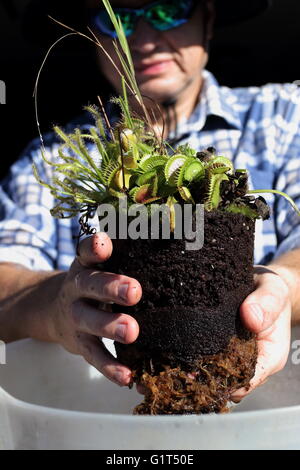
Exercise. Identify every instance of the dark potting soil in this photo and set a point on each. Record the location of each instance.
(189, 313)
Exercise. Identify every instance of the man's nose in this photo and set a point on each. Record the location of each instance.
(144, 39)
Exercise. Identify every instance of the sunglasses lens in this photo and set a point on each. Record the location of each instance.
(105, 26)
(168, 15)
(162, 16)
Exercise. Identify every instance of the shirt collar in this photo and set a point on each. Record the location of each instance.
(213, 101)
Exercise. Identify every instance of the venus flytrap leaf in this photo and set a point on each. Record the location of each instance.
(219, 168)
(213, 195)
(242, 209)
(171, 201)
(146, 177)
(122, 177)
(150, 162)
(179, 178)
(116, 194)
(143, 195)
(110, 171)
(172, 168)
(193, 171)
(220, 163)
(186, 195)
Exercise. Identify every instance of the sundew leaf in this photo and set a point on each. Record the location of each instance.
(86, 154)
(98, 120)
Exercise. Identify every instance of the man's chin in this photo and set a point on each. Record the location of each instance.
(152, 95)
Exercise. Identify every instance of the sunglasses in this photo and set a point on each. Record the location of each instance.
(161, 15)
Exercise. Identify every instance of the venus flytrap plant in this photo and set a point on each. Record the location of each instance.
(133, 160)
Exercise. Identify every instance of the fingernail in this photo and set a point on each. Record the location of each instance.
(257, 312)
(122, 292)
(120, 332)
(122, 378)
(119, 378)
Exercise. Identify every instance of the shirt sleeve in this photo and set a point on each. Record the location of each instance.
(287, 221)
(27, 229)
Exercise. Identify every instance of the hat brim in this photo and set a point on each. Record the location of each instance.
(229, 12)
(36, 23)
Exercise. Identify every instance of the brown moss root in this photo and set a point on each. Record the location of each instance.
(206, 389)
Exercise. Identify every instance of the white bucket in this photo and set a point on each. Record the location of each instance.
(51, 399)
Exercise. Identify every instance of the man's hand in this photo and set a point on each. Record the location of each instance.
(79, 321)
(267, 312)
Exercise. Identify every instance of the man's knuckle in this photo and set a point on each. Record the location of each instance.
(78, 281)
(74, 313)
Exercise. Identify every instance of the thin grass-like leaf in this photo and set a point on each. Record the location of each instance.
(279, 193)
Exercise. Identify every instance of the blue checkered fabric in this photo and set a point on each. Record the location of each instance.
(258, 128)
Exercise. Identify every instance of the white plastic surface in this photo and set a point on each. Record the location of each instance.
(50, 399)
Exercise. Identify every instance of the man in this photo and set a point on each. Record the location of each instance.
(44, 291)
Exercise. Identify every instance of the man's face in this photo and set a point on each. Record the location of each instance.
(166, 62)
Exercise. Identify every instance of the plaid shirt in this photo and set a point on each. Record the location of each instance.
(257, 128)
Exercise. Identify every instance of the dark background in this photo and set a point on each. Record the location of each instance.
(253, 53)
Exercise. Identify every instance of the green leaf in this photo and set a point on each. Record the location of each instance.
(149, 162)
(220, 165)
(145, 178)
(186, 195)
(186, 150)
(144, 194)
(110, 171)
(172, 168)
(193, 171)
(242, 209)
(171, 201)
(213, 197)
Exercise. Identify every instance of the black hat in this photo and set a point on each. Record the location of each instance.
(36, 25)
(233, 11)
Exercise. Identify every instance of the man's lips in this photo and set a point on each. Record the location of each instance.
(153, 68)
